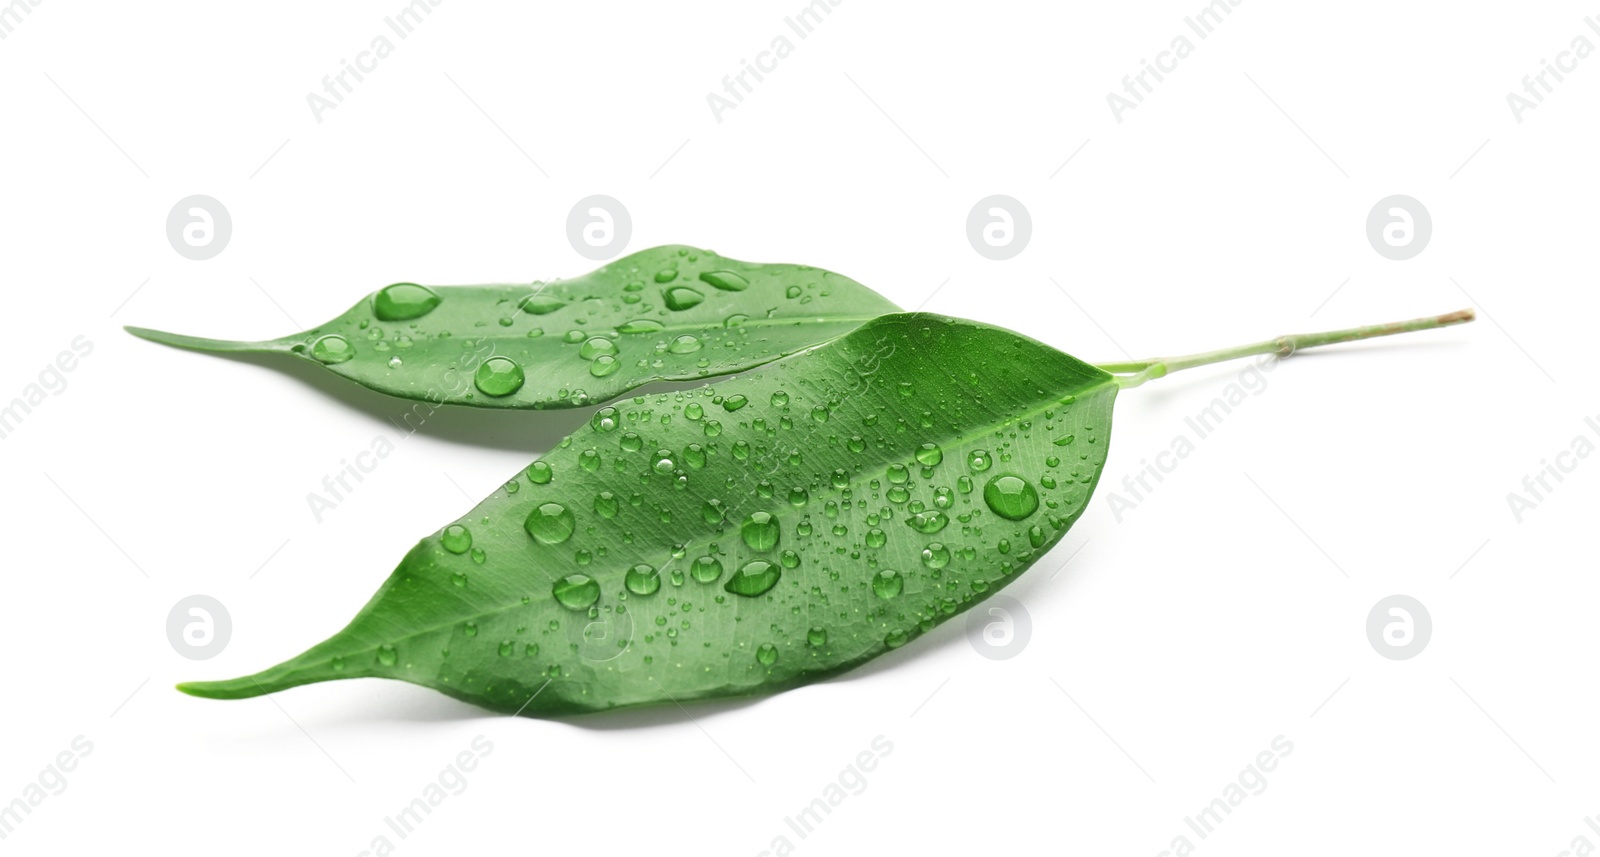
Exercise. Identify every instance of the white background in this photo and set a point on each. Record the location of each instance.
(1227, 608)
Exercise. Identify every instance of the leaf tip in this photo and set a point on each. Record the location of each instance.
(234, 689)
(196, 343)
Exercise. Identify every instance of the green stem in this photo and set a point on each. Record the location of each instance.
(1135, 372)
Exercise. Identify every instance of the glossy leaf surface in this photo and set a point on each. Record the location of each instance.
(669, 313)
(746, 537)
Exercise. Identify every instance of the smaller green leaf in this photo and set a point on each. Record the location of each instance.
(665, 314)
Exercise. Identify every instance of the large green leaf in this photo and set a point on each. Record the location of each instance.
(669, 313)
(746, 537)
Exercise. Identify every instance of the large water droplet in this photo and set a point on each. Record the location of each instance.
(766, 654)
(727, 281)
(887, 584)
(606, 504)
(604, 419)
(706, 569)
(1010, 497)
(935, 555)
(979, 460)
(595, 346)
(931, 521)
(681, 298)
(760, 531)
(403, 301)
(684, 344)
(817, 636)
(642, 580)
(498, 376)
(387, 655)
(930, 454)
(576, 591)
(456, 538)
(540, 473)
(757, 577)
(541, 304)
(332, 349)
(604, 365)
(551, 523)
(640, 325)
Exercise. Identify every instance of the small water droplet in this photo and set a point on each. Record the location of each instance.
(979, 460)
(928, 522)
(817, 636)
(540, 473)
(604, 365)
(935, 555)
(387, 655)
(684, 344)
(767, 654)
(930, 454)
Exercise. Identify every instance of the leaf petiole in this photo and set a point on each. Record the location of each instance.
(1135, 372)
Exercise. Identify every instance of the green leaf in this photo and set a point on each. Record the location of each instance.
(666, 314)
(746, 537)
